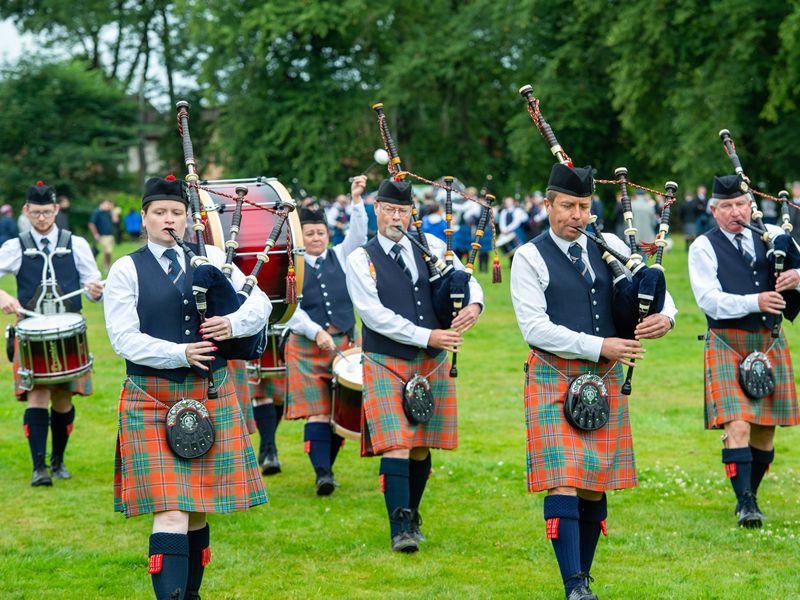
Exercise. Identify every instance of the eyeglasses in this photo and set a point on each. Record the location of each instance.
(389, 211)
(40, 214)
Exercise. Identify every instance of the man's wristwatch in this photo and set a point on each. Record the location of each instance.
(671, 323)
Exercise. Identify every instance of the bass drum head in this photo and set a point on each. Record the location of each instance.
(265, 192)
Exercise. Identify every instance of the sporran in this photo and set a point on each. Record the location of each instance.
(755, 376)
(418, 400)
(586, 403)
(190, 432)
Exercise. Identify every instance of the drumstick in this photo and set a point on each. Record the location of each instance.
(28, 313)
(76, 292)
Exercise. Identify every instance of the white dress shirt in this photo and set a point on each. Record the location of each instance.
(529, 280)
(11, 256)
(301, 323)
(705, 282)
(122, 320)
(364, 292)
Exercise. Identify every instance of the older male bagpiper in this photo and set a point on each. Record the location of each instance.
(168, 417)
(74, 268)
(562, 291)
(403, 338)
(734, 285)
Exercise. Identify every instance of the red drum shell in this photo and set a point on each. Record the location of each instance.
(271, 365)
(253, 233)
(53, 348)
(347, 395)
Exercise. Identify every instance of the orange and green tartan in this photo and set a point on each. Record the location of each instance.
(237, 371)
(725, 400)
(557, 453)
(384, 425)
(308, 370)
(149, 478)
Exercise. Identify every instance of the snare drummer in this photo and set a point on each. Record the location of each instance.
(72, 271)
(562, 293)
(152, 322)
(402, 337)
(729, 273)
(322, 324)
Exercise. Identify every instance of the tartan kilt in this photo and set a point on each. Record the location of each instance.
(82, 386)
(269, 387)
(384, 425)
(237, 371)
(557, 453)
(149, 478)
(725, 400)
(309, 375)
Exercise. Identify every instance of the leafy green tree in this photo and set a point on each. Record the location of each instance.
(65, 125)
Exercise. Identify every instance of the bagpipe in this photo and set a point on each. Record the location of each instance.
(450, 285)
(782, 252)
(643, 293)
(212, 288)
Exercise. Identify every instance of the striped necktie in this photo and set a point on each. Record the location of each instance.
(747, 256)
(45, 245)
(175, 271)
(575, 252)
(397, 250)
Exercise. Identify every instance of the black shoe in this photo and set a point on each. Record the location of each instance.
(748, 514)
(325, 485)
(582, 591)
(59, 471)
(41, 477)
(404, 542)
(416, 523)
(269, 463)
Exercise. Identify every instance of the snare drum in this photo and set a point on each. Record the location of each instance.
(253, 232)
(52, 349)
(347, 392)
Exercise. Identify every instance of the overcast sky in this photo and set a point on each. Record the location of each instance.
(10, 43)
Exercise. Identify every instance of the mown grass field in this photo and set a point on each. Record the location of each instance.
(674, 536)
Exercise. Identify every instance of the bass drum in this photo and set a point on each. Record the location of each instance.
(264, 192)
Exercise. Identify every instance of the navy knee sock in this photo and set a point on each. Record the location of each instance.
(394, 485)
(738, 467)
(592, 516)
(419, 470)
(318, 445)
(199, 557)
(762, 459)
(169, 564)
(278, 413)
(336, 444)
(266, 422)
(60, 427)
(36, 422)
(561, 517)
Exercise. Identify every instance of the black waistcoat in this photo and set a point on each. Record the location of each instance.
(165, 312)
(414, 301)
(737, 277)
(29, 276)
(325, 296)
(571, 301)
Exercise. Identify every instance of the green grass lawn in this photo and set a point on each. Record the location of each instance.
(674, 536)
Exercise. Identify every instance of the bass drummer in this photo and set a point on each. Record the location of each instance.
(74, 269)
(322, 324)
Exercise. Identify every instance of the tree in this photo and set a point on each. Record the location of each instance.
(65, 125)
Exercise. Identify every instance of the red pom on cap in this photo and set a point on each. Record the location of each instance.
(170, 177)
(40, 183)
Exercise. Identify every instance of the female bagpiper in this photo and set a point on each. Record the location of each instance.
(153, 323)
